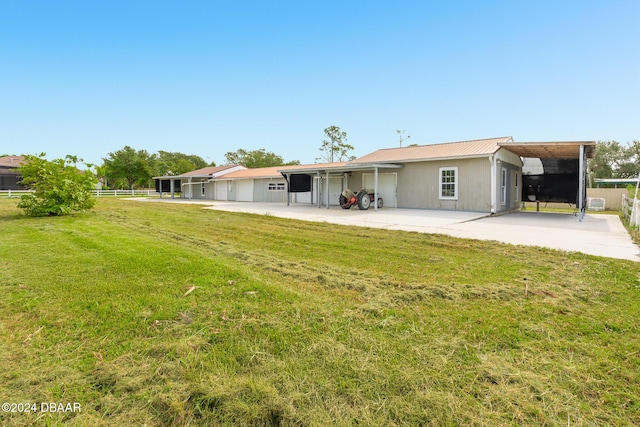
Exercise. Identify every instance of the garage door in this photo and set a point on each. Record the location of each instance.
(245, 191)
(335, 188)
(220, 190)
(387, 184)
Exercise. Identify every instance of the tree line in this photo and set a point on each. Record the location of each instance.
(615, 160)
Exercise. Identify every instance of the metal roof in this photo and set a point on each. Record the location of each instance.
(551, 150)
(274, 172)
(472, 148)
(208, 172)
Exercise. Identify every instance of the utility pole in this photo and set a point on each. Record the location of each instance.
(400, 135)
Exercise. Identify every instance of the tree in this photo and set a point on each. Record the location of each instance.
(256, 159)
(606, 160)
(630, 166)
(169, 163)
(335, 148)
(59, 188)
(128, 165)
(614, 160)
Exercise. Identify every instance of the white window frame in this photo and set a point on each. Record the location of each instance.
(276, 186)
(454, 182)
(517, 195)
(203, 191)
(503, 186)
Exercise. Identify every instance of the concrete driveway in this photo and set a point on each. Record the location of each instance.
(601, 235)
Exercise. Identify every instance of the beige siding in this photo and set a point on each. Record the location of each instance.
(613, 196)
(418, 185)
(261, 192)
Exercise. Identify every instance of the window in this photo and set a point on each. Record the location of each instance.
(449, 183)
(517, 196)
(202, 192)
(503, 186)
(276, 186)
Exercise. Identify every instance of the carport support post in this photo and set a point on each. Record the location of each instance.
(581, 187)
(288, 176)
(172, 187)
(327, 187)
(190, 189)
(319, 189)
(375, 189)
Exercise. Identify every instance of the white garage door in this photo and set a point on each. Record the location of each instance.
(387, 184)
(245, 191)
(220, 190)
(335, 189)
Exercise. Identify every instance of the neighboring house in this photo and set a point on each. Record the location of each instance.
(9, 177)
(484, 175)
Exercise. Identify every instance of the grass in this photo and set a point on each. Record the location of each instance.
(171, 315)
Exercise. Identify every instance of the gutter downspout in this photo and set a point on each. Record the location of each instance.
(494, 168)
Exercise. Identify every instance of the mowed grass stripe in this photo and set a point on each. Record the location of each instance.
(295, 323)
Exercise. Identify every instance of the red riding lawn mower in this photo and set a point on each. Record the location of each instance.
(362, 198)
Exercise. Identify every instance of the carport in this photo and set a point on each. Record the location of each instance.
(563, 158)
(299, 180)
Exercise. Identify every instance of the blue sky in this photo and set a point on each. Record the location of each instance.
(207, 77)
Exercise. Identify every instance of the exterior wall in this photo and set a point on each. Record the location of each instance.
(418, 185)
(261, 192)
(514, 174)
(9, 181)
(612, 196)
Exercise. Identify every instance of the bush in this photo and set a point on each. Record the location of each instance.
(59, 188)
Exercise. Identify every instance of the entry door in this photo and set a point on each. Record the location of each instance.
(245, 191)
(387, 185)
(505, 192)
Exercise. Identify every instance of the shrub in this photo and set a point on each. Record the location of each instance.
(59, 188)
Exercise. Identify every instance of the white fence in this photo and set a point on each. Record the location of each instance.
(96, 193)
(631, 215)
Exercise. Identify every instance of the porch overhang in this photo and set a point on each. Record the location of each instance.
(551, 150)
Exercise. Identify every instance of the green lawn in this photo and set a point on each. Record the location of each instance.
(306, 324)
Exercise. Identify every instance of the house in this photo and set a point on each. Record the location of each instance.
(483, 175)
(9, 177)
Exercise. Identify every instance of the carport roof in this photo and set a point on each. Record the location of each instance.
(550, 150)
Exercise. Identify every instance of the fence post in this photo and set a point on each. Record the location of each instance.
(9, 193)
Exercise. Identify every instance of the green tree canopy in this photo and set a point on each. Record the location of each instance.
(59, 187)
(173, 163)
(615, 160)
(128, 166)
(335, 148)
(256, 159)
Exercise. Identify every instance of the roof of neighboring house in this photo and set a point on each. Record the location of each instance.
(274, 172)
(472, 148)
(11, 161)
